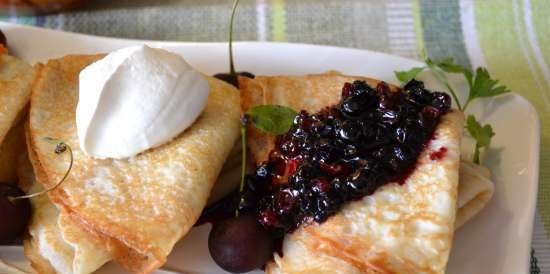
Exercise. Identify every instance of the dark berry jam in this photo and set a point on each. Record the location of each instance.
(342, 153)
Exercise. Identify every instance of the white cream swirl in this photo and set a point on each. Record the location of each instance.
(137, 98)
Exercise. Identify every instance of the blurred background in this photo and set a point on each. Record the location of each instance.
(381, 25)
(509, 37)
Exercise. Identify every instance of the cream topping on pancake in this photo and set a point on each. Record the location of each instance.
(137, 98)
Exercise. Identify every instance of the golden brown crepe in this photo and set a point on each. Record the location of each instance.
(400, 228)
(11, 149)
(137, 208)
(16, 79)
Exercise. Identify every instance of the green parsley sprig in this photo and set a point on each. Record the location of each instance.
(480, 84)
(482, 135)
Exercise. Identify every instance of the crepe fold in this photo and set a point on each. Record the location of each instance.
(475, 190)
(136, 209)
(400, 228)
(55, 244)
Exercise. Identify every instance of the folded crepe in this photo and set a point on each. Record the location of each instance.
(475, 187)
(400, 228)
(135, 209)
(16, 78)
(55, 244)
(475, 190)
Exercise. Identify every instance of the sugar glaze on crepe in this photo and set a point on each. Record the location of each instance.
(136, 209)
(400, 228)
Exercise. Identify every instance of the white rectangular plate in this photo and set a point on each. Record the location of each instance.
(497, 241)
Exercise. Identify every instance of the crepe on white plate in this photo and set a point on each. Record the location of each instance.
(136, 209)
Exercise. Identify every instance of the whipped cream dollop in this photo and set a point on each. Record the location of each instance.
(137, 98)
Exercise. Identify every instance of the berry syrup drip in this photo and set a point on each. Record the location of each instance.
(342, 153)
(438, 154)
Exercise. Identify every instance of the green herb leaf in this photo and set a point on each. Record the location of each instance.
(272, 119)
(448, 65)
(405, 76)
(482, 135)
(484, 86)
(469, 78)
(481, 85)
(439, 74)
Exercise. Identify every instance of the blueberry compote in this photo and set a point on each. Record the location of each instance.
(342, 153)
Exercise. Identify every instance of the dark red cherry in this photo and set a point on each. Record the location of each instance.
(3, 40)
(240, 244)
(15, 215)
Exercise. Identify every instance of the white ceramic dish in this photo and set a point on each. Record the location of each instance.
(497, 241)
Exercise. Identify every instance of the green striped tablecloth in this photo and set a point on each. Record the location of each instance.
(509, 37)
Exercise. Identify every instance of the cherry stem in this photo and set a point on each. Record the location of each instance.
(231, 65)
(476, 154)
(59, 148)
(244, 122)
